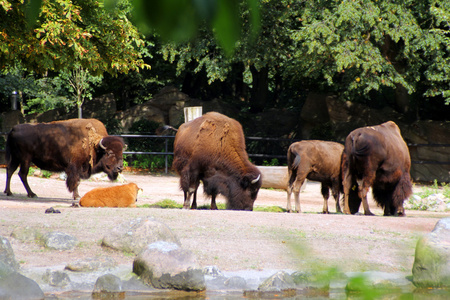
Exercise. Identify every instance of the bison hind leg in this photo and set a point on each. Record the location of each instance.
(23, 173)
(326, 194)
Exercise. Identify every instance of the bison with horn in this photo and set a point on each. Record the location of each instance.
(211, 149)
(79, 147)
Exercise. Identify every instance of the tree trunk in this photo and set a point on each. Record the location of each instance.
(260, 89)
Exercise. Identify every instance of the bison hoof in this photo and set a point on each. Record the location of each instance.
(369, 213)
(32, 195)
(8, 193)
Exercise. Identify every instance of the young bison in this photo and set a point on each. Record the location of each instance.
(316, 161)
(115, 196)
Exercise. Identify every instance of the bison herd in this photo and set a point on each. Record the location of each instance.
(211, 149)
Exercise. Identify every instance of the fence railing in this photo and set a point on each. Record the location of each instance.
(277, 151)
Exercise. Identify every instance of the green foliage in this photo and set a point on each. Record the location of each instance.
(152, 162)
(66, 33)
(421, 200)
(179, 21)
(273, 162)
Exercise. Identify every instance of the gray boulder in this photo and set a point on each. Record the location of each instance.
(8, 261)
(167, 266)
(277, 282)
(108, 283)
(432, 259)
(133, 236)
(56, 278)
(59, 241)
(17, 286)
(91, 264)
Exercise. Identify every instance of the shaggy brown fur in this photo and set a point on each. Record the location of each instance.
(376, 157)
(211, 149)
(115, 196)
(317, 161)
(79, 147)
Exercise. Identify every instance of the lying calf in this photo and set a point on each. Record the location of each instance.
(115, 196)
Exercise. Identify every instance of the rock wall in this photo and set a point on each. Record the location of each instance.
(422, 137)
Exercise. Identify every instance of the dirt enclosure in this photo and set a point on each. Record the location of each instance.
(230, 240)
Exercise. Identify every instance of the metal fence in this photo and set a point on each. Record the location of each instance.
(259, 149)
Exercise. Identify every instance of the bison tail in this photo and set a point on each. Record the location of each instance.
(8, 149)
(293, 163)
(403, 190)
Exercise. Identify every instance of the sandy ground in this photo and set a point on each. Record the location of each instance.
(231, 240)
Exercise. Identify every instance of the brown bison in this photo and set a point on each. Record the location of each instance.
(79, 147)
(317, 161)
(115, 196)
(211, 149)
(376, 157)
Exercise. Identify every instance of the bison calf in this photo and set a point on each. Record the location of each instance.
(316, 161)
(115, 196)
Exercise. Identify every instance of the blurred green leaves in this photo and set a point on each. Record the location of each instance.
(180, 20)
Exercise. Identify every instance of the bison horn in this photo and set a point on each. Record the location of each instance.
(256, 180)
(101, 145)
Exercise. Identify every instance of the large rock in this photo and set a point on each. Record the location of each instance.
(167, 266)
(277, 282)
(17, 286)
(91, 264)
(59, 241)
(7, 258)
(275, 177)
(432, 259)
(133, 236)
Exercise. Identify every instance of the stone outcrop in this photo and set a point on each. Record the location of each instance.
(167, 266)
(12, 284)
(345, 116)
(432, 258)
(134, 236)
(58, 241)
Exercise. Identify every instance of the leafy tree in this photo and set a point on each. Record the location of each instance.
(76, 37)
(379, 52)
(67, 33)
(358, 47)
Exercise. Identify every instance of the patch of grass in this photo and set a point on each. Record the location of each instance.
(208, 206)
(269, 209)
(165, 203)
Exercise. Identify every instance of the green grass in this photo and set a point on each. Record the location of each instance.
(167, 203)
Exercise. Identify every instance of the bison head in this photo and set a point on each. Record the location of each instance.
(110, 158)
(240, 194)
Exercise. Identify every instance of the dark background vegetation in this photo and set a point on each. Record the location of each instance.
(251, 54)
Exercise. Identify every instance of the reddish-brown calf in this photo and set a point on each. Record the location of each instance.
(115, 196)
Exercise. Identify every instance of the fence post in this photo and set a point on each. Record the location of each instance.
(166, 149)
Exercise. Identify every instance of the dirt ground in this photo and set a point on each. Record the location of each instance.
(230, 240)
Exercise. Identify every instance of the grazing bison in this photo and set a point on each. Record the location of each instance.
(211, 149)
(317, 161)
(376, 157)
(79, 147)
(115, 196)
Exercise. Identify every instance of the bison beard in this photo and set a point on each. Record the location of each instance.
(211, 149)
(79, 147)
(376, 157)
(116, 196)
